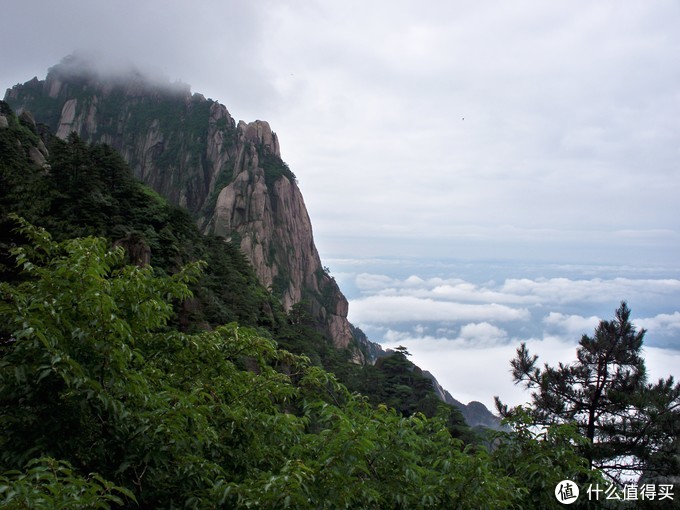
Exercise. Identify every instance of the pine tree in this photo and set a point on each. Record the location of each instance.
(625, 420)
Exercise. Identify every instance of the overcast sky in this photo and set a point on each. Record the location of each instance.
(527, 131)
(489, 129)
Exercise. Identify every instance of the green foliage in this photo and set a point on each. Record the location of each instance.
(398, 383)
(47, 484)
(20, 182)
(93, 374)
(274, 168)
(91, 191)
(16, 172)
(540, 459)
(625, 421)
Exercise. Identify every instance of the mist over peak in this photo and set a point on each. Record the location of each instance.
(97, 67)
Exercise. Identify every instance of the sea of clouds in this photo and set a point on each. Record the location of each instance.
(462, 321)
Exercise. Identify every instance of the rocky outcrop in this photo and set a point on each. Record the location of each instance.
(190, 150)
(136, 249)
(31, 144)
(172, 140)
(267, 216)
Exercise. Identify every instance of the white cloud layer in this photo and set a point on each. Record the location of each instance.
(565, 290)
(482, 373)
(662, 323)
(571, 324)
(473, 335)
(385, 299)
(466, 333)
(390, 309)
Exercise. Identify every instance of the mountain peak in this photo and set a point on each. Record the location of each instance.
(229, 176)
(98, 69)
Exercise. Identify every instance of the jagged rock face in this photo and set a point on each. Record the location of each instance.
(173, 140)
(190, 150)
(274, 229)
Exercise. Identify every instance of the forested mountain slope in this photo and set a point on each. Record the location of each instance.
(229, 176)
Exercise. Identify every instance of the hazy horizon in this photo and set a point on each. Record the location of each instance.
(462, 320)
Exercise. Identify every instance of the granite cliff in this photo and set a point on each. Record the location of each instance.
(229, 175)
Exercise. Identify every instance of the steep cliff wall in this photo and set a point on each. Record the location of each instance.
(265, 212)
(229, 176)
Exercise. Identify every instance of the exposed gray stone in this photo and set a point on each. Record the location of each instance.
(27, 118)
(36, 157)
